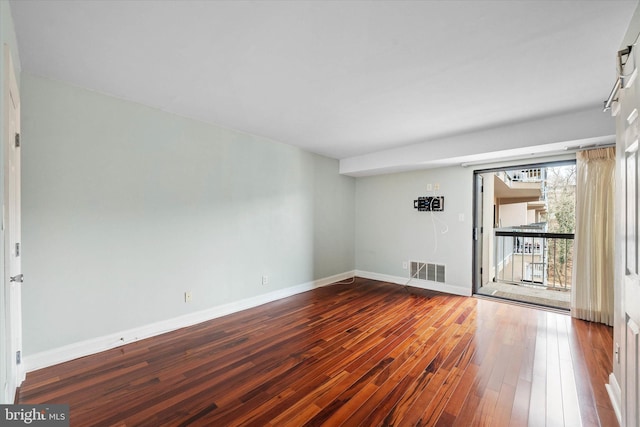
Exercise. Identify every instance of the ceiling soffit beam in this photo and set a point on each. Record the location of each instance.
(545, 136)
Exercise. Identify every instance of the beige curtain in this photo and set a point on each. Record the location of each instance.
(593, 263)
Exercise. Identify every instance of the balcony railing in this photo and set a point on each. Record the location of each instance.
(527, 175)
(533, 258)
(514, 178)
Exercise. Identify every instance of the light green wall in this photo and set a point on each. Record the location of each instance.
(389, 230)
(126, 207)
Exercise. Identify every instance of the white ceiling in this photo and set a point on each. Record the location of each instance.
(339, 78)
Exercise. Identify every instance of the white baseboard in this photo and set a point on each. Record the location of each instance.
(423, 284)
(96, 345)
(615, 394)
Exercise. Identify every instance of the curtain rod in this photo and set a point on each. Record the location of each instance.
(612, 95)
(619, 81)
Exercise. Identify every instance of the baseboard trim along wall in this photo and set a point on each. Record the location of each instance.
(418, 283)
(96, 345)
(615, 394)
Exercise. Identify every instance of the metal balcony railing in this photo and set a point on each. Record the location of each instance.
(527, 175)
(530, 257)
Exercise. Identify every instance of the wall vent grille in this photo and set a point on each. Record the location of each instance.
(427, 271)
(431, 272)
(440, 273)
(418, 270)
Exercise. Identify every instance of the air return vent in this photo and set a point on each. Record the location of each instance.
(418, 270)
(428, 271)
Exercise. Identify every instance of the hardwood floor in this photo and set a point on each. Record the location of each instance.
(368, 354)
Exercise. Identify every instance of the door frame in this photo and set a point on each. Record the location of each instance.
(625, 393)
(479, 247)
(478, 230)
(11, 370)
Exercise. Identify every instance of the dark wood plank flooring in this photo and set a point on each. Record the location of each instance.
(369, 353)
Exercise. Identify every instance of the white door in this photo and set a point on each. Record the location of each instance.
(628, 124)
(12, 319)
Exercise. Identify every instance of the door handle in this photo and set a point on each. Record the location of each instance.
(17, 279)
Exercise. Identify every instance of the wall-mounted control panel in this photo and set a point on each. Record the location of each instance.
(429, 204)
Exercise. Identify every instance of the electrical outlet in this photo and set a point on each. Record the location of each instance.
(265, 280)
(436, 186)
(187, 296)
(429, 187)
(405, 265)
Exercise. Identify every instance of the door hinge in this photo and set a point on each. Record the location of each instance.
(17, 140)
(18, 357)
(17, 249)
(480, 270)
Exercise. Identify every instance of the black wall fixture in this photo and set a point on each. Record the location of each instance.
(429, 204)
